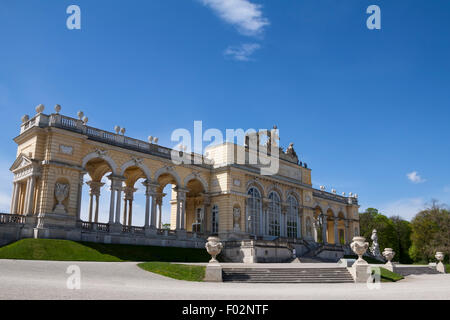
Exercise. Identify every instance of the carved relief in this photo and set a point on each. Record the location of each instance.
(61, 193)
(66, 149)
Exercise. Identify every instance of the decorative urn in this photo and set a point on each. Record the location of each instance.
(61, 193)
(214, 247)
(439, 256)
(388, 254)
(440, 266)
(359, 246)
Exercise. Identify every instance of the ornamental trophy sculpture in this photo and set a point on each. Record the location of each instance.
(214, 247)
(61, 193)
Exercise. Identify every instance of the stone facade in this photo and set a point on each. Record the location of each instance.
(216, 196)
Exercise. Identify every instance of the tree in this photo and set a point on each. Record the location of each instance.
(371, 219)
(402, 231)
(430, 232)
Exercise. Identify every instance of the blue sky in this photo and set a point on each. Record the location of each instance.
(365, 108)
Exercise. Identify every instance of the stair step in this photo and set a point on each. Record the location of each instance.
(287, 275)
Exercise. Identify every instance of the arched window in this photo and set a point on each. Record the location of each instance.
(291, 218)
(356, 232)
(274, 214)
(215, 219)
(253, 211)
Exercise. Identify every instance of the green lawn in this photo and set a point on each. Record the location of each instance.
(64, 250)
(389, 276)
(175, 271)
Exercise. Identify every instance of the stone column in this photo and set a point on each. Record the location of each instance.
(15, 197)
(147, 203)
(128, 198)
(112, 201)
(91, 205)
(183, 211)
(178, 218)
(346, 232)
(30, 196)
(125, 210)
(153, 213)
(262, 218)
(160, 215)
(299, 224)
(118, 201)
(324, 230)
(97, 201)
(80, 193)
(336, 233)
(130, 212)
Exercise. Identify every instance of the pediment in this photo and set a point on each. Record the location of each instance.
(21, 162)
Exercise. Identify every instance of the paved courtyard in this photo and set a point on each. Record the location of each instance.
(47, 280)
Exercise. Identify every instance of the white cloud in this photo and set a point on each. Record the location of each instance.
(414, 177)
(247, 17)
(405, 208)
(242, 52)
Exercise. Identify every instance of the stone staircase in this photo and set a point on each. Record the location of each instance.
(406, 271)
(287, 275)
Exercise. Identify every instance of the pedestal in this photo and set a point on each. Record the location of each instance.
(440, 267)
(360, 271)
(390, 266)
(213, 273)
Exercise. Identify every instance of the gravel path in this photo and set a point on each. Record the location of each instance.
(48, 280)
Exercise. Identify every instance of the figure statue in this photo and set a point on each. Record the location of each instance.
(290, 151)
(375, 248)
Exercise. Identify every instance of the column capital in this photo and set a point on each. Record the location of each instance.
(116, 182)
(95, 187)
(129, 193)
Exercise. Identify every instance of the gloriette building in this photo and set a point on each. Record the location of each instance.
(260, 218)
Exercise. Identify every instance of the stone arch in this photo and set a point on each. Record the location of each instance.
(136, 163)
(194, 176)
(100, 155)
(274, 188)
(295, 194)
(256, 184)
(170, 171)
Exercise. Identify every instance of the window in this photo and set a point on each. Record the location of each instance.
(215, 219)
(274, 214)
(291, 218)
(253, 211)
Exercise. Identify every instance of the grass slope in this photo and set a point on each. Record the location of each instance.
(64, 250)
(389, 276)
(175, 271)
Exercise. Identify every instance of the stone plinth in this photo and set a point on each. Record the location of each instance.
(213, 273)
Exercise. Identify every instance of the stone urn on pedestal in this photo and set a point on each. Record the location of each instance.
(213, 271)
(389, 254)
(360, 270)
(359, 246)
(440, 266)
(214, 247)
